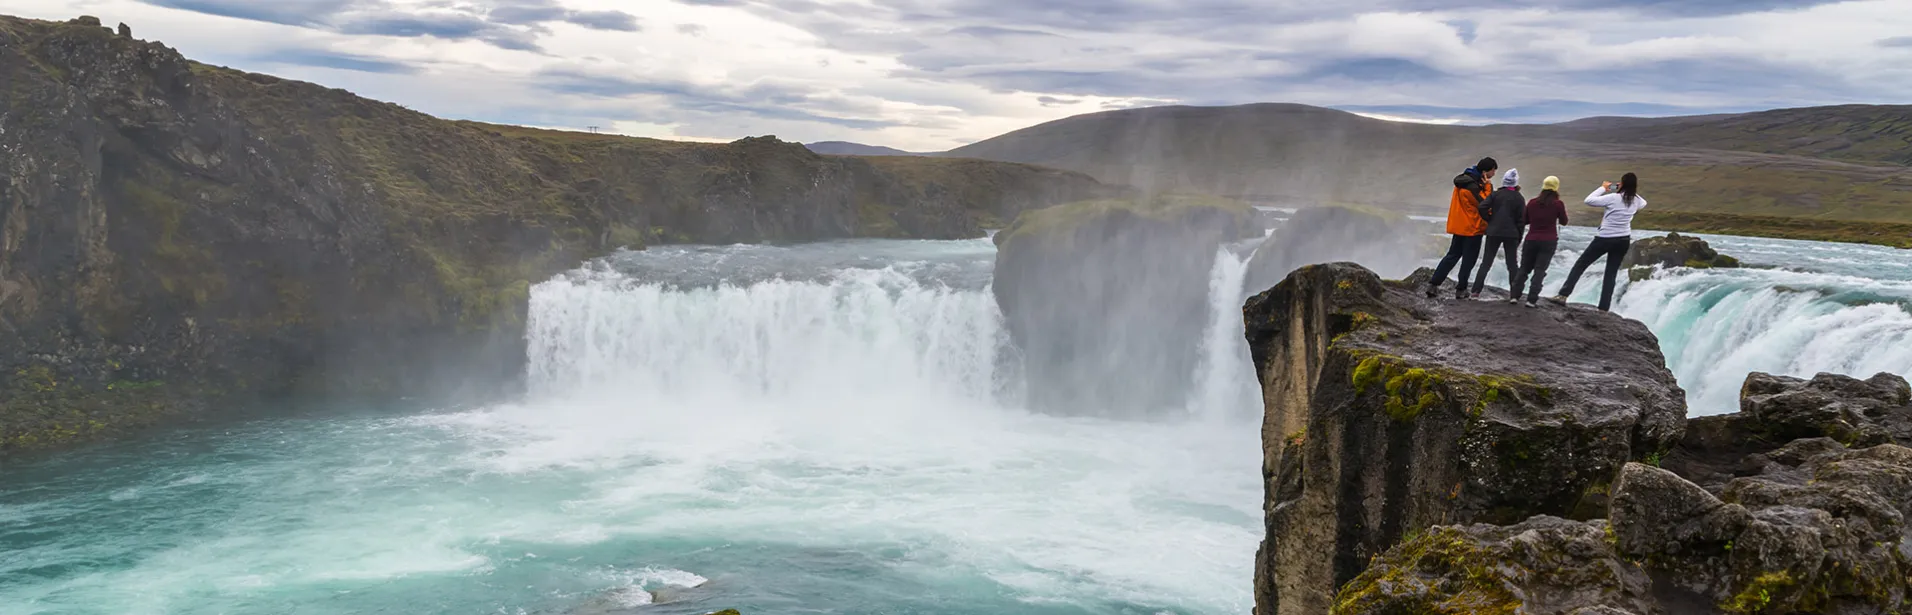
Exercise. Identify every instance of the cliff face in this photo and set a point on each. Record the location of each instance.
(1108, 299)
(1387, 413)
(173, 233)
(1475, 457)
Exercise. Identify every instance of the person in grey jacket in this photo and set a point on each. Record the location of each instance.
(1506, 214)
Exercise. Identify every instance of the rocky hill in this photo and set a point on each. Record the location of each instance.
(1840, 170)
(1463, 458)
(846, 148)
(173, 234)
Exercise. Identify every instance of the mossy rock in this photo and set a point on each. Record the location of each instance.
(1542, 565)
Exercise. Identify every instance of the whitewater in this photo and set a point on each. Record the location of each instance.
(830, 427)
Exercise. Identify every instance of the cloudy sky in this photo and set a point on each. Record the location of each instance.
(933, 74)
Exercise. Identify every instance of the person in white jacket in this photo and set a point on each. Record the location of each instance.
(1621, 202)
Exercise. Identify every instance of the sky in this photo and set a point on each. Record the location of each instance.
(929, 75)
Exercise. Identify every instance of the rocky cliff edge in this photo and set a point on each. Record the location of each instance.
(1388, 413)
(1476, 457)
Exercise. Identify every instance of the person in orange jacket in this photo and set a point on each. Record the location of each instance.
(1467, 223)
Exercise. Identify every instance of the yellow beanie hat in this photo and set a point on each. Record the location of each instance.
(1551, 183)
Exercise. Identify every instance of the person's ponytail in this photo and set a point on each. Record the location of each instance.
(1629, 188)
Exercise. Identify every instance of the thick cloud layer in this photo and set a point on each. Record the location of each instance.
(932, 74)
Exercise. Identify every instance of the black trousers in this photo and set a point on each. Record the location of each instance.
(1615, 249)
(1535, 258)
(1463, 250)
(1507, 246)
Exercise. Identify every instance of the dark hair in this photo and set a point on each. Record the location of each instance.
(1630, 187)
(1487, 164)
(1549, 196)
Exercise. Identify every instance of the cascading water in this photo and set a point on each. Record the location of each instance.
(876, 332)
(1226, 389)
(1800, 308)
(778, 428)
(823, 401)
(1715, 326)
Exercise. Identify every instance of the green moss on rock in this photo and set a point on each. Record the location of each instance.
(1471, 580)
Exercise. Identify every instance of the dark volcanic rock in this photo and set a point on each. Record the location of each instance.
(1542, 566)
(172, 232)
(1108, 299)
(1386, 242)
(1388, 413)
(1827, 535)
(1676, 250)
(1778, 410)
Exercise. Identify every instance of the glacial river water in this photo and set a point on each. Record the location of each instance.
(827, 428)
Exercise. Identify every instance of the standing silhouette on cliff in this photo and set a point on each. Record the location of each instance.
(1621, 202)
(1545, 215)
(1506, 215)
(1466, 223)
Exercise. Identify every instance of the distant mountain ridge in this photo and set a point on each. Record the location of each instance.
(1843, 165)
(846, 148)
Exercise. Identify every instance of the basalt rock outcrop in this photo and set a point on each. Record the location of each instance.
(1413, 467)
(1388, 413)
(1107, 300)
(1387, 242)
(1541, 566)
(1778, 410)
(1676, 250)
(1825, 533)
(173, 233)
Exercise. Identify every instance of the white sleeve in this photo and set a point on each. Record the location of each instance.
(1600, 198)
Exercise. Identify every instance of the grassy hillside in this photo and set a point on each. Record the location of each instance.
(1306, 155)
(178, 234)
(1866, 134)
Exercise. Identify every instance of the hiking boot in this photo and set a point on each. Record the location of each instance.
(1433, 291)
(1532, 304)
(1560, 299)
(1514, 299)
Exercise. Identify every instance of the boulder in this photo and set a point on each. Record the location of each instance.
(1825, 534)
(1542, 566)
(1387, 413)
(1781, 411)
(1676, 250)
(1107, 300)
(1386, 242)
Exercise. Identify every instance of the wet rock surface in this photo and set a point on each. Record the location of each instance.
(1387, 413)
(1107, 300)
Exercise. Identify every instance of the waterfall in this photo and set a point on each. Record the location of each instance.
(872, 333)
(1225, 385)
(1717, 325)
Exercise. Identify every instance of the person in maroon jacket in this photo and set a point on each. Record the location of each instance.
(1545, 214)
